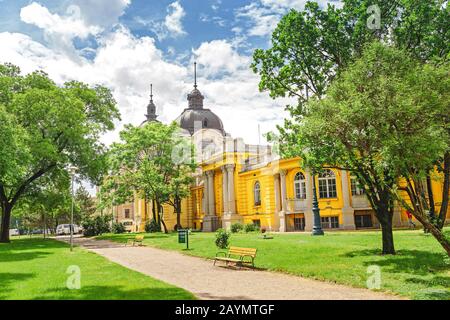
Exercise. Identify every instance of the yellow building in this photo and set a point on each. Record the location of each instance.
(238, 182)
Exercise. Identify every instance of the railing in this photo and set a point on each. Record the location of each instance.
(296, 205)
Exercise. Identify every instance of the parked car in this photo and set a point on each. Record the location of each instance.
(64, 229)
(128, 224)
(14, 232)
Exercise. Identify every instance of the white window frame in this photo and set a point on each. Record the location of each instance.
(326, 180)
(300, 186)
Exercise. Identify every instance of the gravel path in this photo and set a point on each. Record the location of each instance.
(206, 281)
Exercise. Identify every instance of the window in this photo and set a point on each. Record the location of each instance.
(327, 184)
(330, 222)
(357, 190)
(300, 186)
(127, 213)
(257, 223)
(257, 193)
(205, 123)
(363, 221)
(299, 224)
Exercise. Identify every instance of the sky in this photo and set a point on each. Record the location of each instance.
(127, 44)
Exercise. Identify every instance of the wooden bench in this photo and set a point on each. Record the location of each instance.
(137, 240)
(239, 256)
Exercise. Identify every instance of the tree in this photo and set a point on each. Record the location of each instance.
(154, 161)
(85, 203)
(378, 121)
(310, 48)
(46, 127)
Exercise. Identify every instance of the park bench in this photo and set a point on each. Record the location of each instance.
(237, 255)
(137, 240)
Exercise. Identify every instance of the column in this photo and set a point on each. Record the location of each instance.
(225, 190)
(276, 182)
(282, 213)
(210, 221)
(309, 218)
(211, 198)
(348, 217)
(231, 192)
(205, 204)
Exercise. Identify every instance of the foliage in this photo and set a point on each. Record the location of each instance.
(237, 227)
(251, 227)
(85, 203)
(154, 161)
(379, 122)
(118, 227)
(152, 226)
(44, 128)
(222, 238)
(313, 47)
(96, 226)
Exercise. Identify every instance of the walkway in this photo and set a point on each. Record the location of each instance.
(206, 281)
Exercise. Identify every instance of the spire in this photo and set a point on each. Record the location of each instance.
(195, 75)
(195, 98)
(151, 108)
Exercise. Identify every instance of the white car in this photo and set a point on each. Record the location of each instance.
(14, 232)
(64, 229)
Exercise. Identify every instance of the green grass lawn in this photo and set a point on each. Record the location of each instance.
(420, 270)
(36, 269)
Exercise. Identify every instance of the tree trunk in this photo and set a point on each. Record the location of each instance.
(388, 237)
(154, 210)
(430, 196)
(435, 231)
(384, 216)
(6, 219)
(161, 220)
(178, 212)
(445, 191)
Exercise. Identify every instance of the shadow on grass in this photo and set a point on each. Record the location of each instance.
(115, 293)
(7, 278)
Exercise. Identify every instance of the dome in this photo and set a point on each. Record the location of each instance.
(193, 120)
(195, 117)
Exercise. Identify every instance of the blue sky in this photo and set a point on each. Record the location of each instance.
(128, 44)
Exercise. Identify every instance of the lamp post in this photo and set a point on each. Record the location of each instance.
(317, 227)
(72, 171)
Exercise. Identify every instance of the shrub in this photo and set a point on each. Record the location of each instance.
(96, 226)
(237, 227)
(250, 227)
(152, 226)
(118, 228)
(222, 238)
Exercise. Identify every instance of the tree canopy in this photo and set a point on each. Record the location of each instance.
(45, 127)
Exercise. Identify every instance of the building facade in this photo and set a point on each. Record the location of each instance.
(239, 182)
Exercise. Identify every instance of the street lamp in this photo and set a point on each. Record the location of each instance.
(72, 171)
(317, 227)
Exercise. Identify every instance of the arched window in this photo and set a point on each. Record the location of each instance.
(205, 123)
(327, 184)
(300, 186)
(257, 193)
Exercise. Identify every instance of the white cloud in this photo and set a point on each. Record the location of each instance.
(173, 21)
(262, 16)
(128, 64)
(70, 26)
(104, 13)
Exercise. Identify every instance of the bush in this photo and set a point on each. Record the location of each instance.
(250, 227)
(96, 226)
(222, 238)
(237, 227)
(118, 228)
(152, 226)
